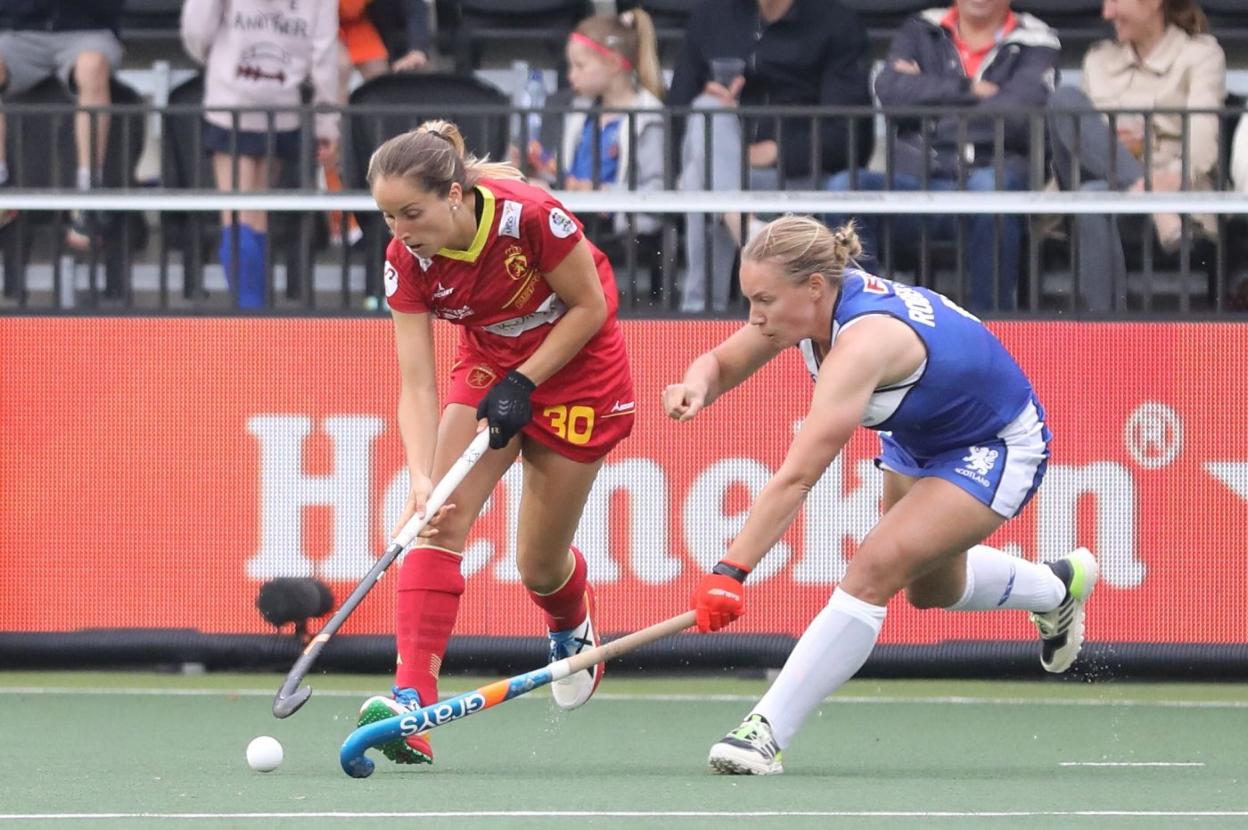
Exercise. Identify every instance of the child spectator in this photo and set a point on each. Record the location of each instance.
(613, 62)
(257, 55)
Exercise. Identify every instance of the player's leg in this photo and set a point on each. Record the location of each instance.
(554, 572)
(430, 583)
(1003, 474)
(932, 522)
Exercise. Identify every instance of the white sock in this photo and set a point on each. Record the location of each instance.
(832, 649)
(83, 177)
(994, 579)
(4, 172)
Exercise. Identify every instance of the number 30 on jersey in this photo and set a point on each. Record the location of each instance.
(574, 424)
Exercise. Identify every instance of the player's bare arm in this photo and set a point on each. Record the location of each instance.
(876, 351)
(418, 404)
(712, 374)
(576, 282)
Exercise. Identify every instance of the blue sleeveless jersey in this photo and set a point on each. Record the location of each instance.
(967, 390)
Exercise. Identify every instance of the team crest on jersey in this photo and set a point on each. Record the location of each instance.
(978, 465)
(509, 224)
(391, 279)
(481, 377)
(561, 225)
(874, 285)
(517, 265)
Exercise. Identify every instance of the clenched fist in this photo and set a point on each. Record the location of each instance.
(681, 401)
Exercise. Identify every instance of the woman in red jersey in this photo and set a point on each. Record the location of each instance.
(540, 362)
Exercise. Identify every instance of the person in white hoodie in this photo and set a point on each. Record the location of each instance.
(257, 54)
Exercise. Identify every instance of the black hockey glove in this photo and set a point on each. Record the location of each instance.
(506, 407)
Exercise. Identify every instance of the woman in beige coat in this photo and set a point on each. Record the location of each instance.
(1160, 59)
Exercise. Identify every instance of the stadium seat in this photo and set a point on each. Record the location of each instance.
(466, 26)
(669, 18)
(151, 20)
(40, 151)
(1228, 20)
(392, 104)
(1076, 21)
(883, 17)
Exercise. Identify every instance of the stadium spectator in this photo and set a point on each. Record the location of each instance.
(362, 48)
(542, 341)
(76, 42)
(415, 52)
(1239, 156)
(964, 446)
(753, 53)
(977, 55)
(1160, 58)
(257, 55)
(613, 62)
(367, 49)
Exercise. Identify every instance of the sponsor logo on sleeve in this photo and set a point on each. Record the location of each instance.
(391, 278)
(561, 225)
(509, 225)
(874, 285)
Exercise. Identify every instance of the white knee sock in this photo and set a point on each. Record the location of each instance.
(994, 579)
(834, 646)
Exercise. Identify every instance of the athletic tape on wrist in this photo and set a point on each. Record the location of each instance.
(726, 568)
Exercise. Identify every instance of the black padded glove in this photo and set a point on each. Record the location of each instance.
(506, 407)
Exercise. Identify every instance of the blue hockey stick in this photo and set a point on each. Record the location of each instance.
(357, 765)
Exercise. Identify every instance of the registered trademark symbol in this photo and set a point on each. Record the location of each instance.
(1153, 435)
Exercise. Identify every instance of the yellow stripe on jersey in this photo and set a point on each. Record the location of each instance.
(483, 229)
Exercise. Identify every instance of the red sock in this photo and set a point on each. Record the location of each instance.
(428, 600)
(566, 607)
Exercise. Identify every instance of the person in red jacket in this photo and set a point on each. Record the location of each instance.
(541, 363)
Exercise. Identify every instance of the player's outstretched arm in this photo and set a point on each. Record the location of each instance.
(712, 374)
(876, 351)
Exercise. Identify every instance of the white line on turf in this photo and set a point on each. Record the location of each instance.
(1132, 763)
(954, 700)
(671, 814)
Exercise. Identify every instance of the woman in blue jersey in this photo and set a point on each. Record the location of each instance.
(964, 447)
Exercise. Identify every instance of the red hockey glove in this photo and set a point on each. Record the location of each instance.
(720, 596)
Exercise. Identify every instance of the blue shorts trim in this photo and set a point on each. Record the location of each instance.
(1003, 472)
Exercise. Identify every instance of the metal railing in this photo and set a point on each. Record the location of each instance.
(132, 265)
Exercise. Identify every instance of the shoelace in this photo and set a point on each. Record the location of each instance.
(568, 643)
(407, 698)
(753, 732)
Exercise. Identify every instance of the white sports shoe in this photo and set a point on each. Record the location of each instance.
(749, 749)
(1061, 630)
(576, 689)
